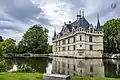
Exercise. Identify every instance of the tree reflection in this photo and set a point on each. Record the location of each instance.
(112, 67)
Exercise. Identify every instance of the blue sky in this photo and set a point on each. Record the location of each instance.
(16, 16)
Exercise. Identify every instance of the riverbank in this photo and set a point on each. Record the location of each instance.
(38, 76)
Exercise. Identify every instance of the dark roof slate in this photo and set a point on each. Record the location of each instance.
(82, 22)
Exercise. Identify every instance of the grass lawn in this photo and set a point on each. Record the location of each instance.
(38, 76)
(20, 76)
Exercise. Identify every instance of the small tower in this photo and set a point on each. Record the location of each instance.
(98, 23)
(54, 34)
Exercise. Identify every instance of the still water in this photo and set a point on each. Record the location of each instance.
(70, 66)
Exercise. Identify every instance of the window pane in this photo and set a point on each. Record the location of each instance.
(74, 39)
(73, 47)
(68, 41)
(90, 39)
(80, 38)
(91, 47)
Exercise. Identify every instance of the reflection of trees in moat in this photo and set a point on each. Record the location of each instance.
(39, 64)
(112, 67)
(78, 67)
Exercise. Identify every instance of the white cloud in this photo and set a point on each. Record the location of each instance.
(57, 12)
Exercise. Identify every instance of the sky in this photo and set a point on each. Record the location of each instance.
(16, 16)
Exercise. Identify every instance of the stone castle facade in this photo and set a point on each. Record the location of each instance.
(79, 39)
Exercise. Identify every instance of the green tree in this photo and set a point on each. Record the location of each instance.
(1, 39)
(35, 40)
(49, 49)
(21, 48)
(112, 36)
(8, 46)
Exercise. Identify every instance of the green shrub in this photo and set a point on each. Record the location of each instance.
(27, 69)
(2, 60)
(3, 67)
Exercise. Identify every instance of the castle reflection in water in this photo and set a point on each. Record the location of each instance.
(78, 67)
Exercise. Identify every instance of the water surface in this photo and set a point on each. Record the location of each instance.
(71, 66)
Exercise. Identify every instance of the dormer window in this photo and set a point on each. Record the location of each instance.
(80, 29)
(75, 27)
(91, 30)
(57, 36)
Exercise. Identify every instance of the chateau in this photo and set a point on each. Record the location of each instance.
(79, 39)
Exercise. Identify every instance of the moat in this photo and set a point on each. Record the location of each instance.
(71, 66)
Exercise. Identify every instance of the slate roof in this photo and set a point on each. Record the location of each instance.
(54, 35)
(82, 22)
(69, 27)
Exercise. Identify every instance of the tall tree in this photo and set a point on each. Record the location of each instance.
(35, 40)
(112, 36)
(1, 39)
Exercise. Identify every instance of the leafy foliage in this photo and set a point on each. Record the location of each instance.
(112, 36)
(1, 39)
(35, 40)
(3, 65)
(8, 46)
(21, 48)
(49, 49)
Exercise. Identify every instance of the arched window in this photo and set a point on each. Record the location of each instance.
(75, 27)
(91, 30)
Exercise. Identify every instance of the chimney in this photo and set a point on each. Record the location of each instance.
(79, 15)
(83, 13)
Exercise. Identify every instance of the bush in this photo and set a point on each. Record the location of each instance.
(3, 67)
(1, 53)
(2, 60)
(27, 69)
